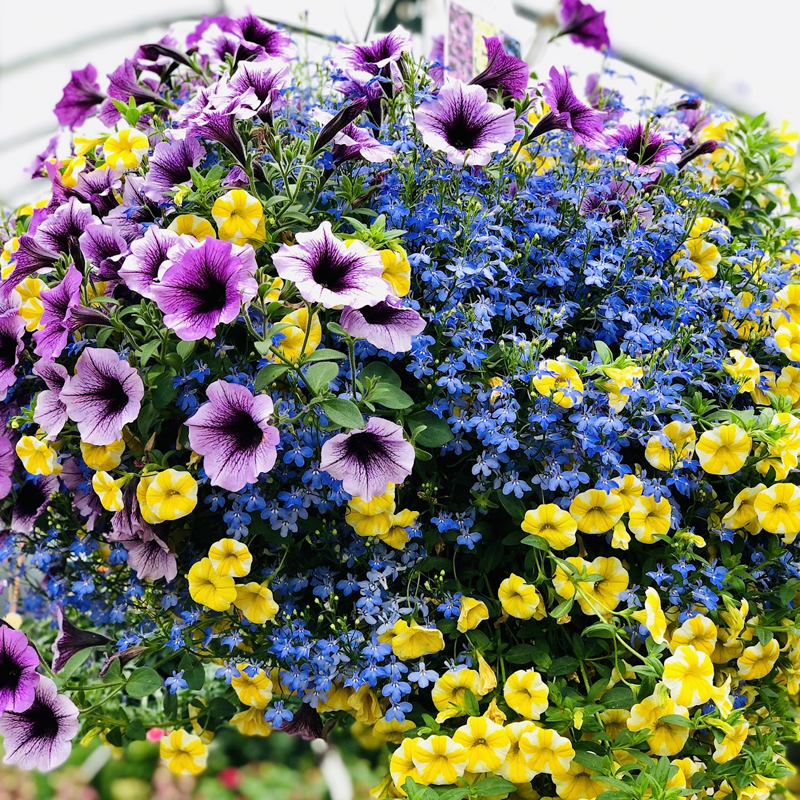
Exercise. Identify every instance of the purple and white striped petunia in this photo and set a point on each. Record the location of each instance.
(33, 498)
(232, 433)
(50, 413)
(354, 142)
(463, 124)
(103, 395)
(327, 271)
(388, 325)
(261, 40)
(12, 329)
(80, 98)
(18, 676)
(378, 56)
(259, 85)
(7, 460)
(205, 285)
(584, 24)
(366, 461)
(169, 165)
(148, 255)
(71, 639)
(40, 737)
(106, 248)
(503, 71)
(57, 304)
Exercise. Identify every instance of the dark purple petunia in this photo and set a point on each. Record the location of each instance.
(221, 21)
(33, 498)
(12, 329)
(260, 85)
(205, 285)
(148, 254)
(354, 142)
(463, 124)
(643, 145)
(695, 151)
(306, 723)
(71, 640)
(105, 247)
(376, 57)
(97, 188)
(169, 165)
(40, 160)
(31, 257)
(18, 676)
(50, 413)
(56, 319)
(123, 84)
(84, 499)
(136, 208)
(568, 113)
(503, 71)
(339, 121)
(123, 656)
(263, 40)
(7, 461)
(232, 433)
(40, 737)
(584, 24)
(387, 325)
(327, 271)
(366, 461)
(80, 98)
(220, 126)
(103, 395)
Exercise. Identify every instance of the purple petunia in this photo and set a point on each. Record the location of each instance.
(584, 24)
(71, 639)
(33, 498)
(503, 71)
(366, 461)
(12, 328)
(204, 285)
(259, 85)
(643, 145)
(148, 255)
(327, 271)
(40, 737)
(81, 96)
(378, 56)
(50, 413)
(103, 395)
(6, 466)
(57, 304)
(18, 676)
(261, 40)
(388, 325)
(169, 165)
(105, 247)
(463, 124)
(354, 142)
(232, 432)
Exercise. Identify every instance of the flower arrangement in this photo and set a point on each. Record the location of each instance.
(465, 414)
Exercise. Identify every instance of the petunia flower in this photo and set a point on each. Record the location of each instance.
(463, 124)
(378, 57)
(50, 413)
(103, 395)
(169, 165)
(148, 255)
(584, 24)
(80, 97)
(260, 85)
(7, 461)
(105, 247)
(12, 329)
(56, 319)
(327, 271)
(263, 41)
(387, 325)
(71, 639)
(123, 84)
(643, 145)
(366, 461)
(503, 71)
(353, 142)
(306, 723)
(39, 737)
(33, 498)
(18, 676)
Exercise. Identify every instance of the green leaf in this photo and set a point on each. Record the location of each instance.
(520, 654)
(436, 431)
(185, 349)
(148, 350)
(220, 708)
(114, 672)
(325, 354)
(604, 352)
(343, 413)
(562, 608)
(489, 787)
(537, 542)
(320, 375)
(677, 720)
(390, 396)
(513, 505)
(563, 666)
(143, 682)
(72, 665)
(193, 673)
(135, 732)
(600, 630)
(453, 794)
(378, 369)
(269, 374)
(171, 705)
(471, 703)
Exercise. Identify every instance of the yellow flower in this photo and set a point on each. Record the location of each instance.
(704, 257)
(192, 225)
(786, 305)
(401, 765)
(620, 538)
(731, 744)
(472, 613)
(560, 382)
(448, 691)
(689, 676)
(650, 518)
(620, 379)
(630, 488)
(108, 490)
(290, 339)
(516, 768)
(125, 149)
(760, 395)
(83, 144)
(787, 339)
(210, 589)
(37, 457)
(255, 601)
(31, 309)
(697, 632)
(672, 447)
(577, 783)
(275, 289)
(704, 225)
(365, 705)
(787, 384)
(665, 739)
(615, 721)
(553, 524)
(390, 730)
(757, 661)
(547, 752)
(723, 450)
(519, 599)
(369, 524)
(487, 679)
(184, 753)
(744, 370)
(526, 693)
(397, 535)
(172, 494)
(596, 511)
(778, 510)
(652, 617)
(439, 760)
(396, 270)
(141, 496)
(380, 504)
(230, 558)
(103, 456)
(485, 742)
(251, 722)
(252, 690)
(594, 597)
(237, 215)
(413, 641)
(743, 513)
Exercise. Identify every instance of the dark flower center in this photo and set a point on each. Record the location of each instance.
(244, 431)
(8, 351)
(10, 672)
(380, 314)
(43, 722)
(114, 396)
(210, 297)
(30, 499)
(370, 451)
(331, 270)
(462, 131)
(641, 150)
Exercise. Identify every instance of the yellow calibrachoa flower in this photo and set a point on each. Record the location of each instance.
(184, 753)
(547, 752)
(553, 524)
(413, 641)
(630, 488)
(615, 721)
(365, 705)
(210, 589)
(369, 524)
(448, 691)
(487, 678)
(380, 504)
(526, 693)
(230, 558)
(172, 494)
(597, 597)
(192, 225)
(472, 613)
(786, 305)
(255, 601)
(439, 760)
(723, 450)
(665, 739)
(672, 447)
(141, 496)
(103, 456)
(516, 768)
(290, 344)
(731, 744)
(744, 370)
(396, 270)
(705, 224)
(252, 690)
(743, 512)
(397, 535)
(125, 149)
(689, 676)
(251, 722)
(778, 510)
(31, 309)
(698, 632)
(37, 457)
(237, 215)
(596, 511)
(652, 617)
(787, 384)
(757, 661)
(390, 730)
(401, 765)
(787, 340)
(73, 167)
(650, 518)
(560, 382)
(108, 490)
(519, 599)
(704, 257)
(485, 742)
(619, 379)
(577, 783)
